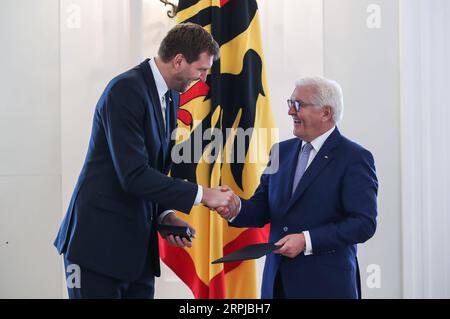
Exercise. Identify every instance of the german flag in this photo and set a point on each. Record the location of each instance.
(233, 100)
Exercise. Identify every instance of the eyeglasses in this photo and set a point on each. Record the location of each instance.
(297, 105)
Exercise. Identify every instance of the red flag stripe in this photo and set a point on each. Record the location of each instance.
(217, 286)
(248, 237)
(198, 89)
(181, 263)
(185, 116)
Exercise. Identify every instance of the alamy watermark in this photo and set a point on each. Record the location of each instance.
(234, 145)
(374, 18)
(73, 20)
(73, 276)
(374, 276)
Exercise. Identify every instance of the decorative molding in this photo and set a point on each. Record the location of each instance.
(173, 11)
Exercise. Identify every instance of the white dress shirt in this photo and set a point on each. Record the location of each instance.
(162, 88)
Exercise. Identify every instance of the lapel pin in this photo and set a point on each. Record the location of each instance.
(326, 156)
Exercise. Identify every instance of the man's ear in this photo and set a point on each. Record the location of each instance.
(327, 114)
(177, 61)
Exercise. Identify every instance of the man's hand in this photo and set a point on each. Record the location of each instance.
(291, 245)
(220, 199)
(173, 220)
(226, 214)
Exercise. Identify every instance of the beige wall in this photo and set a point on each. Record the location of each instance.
(30, 152)
(365, 61)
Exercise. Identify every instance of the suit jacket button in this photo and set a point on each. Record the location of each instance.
(285, 229)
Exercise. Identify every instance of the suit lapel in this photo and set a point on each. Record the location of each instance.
(321, 160)
(156, 103)
(286, 177)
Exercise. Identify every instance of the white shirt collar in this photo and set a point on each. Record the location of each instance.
(161, 85)
(320, 140)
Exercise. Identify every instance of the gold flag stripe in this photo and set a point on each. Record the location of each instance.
(191, 11)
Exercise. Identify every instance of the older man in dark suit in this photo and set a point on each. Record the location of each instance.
(320, 203)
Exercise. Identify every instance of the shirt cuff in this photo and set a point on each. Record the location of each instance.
(198, 198)
(232, 218)
(308, 244)
(164, 214)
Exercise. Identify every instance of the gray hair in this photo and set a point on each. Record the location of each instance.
(328, 93)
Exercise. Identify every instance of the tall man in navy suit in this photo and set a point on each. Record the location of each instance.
(321, 202)
(109, 232)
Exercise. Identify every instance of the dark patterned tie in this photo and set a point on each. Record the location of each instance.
(168, 100)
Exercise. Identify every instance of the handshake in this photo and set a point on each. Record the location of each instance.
(222, 200)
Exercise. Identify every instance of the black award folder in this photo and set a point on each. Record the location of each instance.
(181, 231)
(248, 252)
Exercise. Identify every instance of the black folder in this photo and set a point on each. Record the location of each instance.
(249, 252)
(181, 231)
